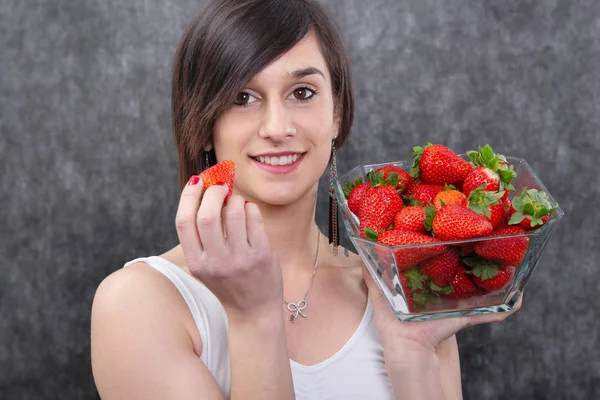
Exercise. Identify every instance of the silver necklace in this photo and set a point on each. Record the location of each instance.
(297, 309)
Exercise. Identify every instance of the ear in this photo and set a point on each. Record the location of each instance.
(208, 147)
(337, 121)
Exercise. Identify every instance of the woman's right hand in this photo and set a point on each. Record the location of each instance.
(228, 250)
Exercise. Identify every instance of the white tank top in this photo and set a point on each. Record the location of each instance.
(356, 371)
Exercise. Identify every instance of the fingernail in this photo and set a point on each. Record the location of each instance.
(193, 180)
(220, 183)
(246, 202)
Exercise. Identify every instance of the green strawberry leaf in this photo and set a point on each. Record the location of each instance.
(516, 218)
(416, 155)
(415, 278)
(489, 157)
(474, 157)
(472, 261)
(351, 185)
(420, 299)
(486, 270)
(371, 234)
(528, 209)
(411, 201)
(440, 290)
(430, 213)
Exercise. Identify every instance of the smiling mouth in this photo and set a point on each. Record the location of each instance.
(275, 160)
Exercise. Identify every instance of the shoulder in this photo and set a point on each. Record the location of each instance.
(138, 294)
(348, 267)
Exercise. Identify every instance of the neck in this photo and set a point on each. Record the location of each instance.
(293, 232)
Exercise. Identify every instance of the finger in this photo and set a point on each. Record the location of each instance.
(185, 219)
(208, 220)
(235, 222)
(255, 228)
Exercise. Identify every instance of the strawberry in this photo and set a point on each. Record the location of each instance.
(378, 207)
(220, 173)
(413, 284)
(449, 196)
(442, 268)
(491, 170)
(462, 287)
(411, 218)
(488, 274)
(436, 164)
(405, 258)
(488, 203)
(508, 251)
(354, 192)
(531, 209)
(404, 179)
(422, 193)
(455, 222)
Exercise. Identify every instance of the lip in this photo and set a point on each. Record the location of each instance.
(279, 154)
(279, 169)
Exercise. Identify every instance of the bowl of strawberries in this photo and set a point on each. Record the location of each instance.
(446, 234)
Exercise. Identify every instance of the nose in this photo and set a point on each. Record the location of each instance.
(277, 122)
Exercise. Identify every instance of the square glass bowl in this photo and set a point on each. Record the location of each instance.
(382, 260)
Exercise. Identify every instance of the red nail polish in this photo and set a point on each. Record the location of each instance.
(193, 180)
(220, 183)
(246, 202)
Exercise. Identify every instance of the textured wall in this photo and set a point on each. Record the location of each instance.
(88, 178)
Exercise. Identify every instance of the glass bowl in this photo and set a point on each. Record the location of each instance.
(387, 264)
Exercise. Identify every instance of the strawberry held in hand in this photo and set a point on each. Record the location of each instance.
(219, 174)
(436, 164)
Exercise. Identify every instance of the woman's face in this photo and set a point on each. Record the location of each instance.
(280, 130)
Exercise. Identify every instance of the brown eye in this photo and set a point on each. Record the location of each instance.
(242, 99)
(303, 93)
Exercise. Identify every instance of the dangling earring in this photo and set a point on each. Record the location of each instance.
(333, 206)
(206, 160)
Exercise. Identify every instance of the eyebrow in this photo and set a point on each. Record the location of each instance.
(301, 73)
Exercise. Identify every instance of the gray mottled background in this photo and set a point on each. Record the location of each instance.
(88, 167)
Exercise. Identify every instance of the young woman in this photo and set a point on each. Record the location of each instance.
(254, 303)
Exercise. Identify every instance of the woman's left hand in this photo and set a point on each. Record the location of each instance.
(420, 336)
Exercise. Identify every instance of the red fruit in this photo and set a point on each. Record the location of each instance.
(220, 173)
(436, 164)
(406, 258)
(489, 204)
(354, 192)
(404, 178)
(422, 192)
(492, 277)
(442, 268)
(379, 206)
(462, 287)
(413, 285)
(531, 209)
(491, 170)
(455, 222)
(411, 218)
(509, 251)
(449, 196)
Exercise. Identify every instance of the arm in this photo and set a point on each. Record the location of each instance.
(142, 349)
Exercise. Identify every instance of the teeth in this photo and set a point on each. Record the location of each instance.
(285, 160)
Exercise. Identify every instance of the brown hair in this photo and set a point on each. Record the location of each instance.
(228, 43)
